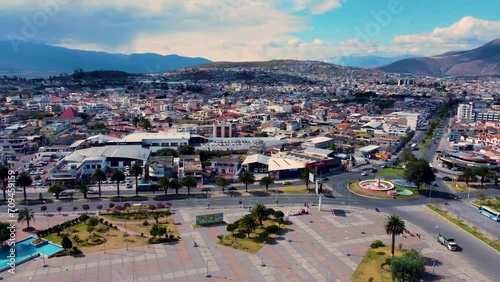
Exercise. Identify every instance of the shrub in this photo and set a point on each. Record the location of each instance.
(111, 205)
(160, 206)
(400, 246)
(278, 214)
(376, 244)
(231, 227)
(481, 196)
(171, 237)
(106, 222)
(75, 208)
(92, 221)
(371, 279)
(145, 223)
(220, 236)
(84, 217)
(102, 229)
(126, 205)
(272, 229)
(76, 251)
(152, 207)
(101, 220)
(118, 208)
(99, 207)
(388, 261)
(264, 234)
(43, 208)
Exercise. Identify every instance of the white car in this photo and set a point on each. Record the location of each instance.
(364, 173)
(129, 185)
(92, 191)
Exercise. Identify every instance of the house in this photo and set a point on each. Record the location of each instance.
(227, 167)
(157, 167)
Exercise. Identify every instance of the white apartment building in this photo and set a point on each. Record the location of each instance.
(18, 144)
(465, 111)
(413, 120)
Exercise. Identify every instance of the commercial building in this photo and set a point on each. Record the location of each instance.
(465, 111)
(464, 159)
(13, 144)
(318, 142)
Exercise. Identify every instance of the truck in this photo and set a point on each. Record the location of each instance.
(447, 241)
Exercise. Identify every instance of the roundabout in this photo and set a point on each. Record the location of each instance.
(376, 185)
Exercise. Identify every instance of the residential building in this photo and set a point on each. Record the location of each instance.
(465, 111)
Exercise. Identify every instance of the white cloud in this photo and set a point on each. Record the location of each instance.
(317, 7)
(468, 32)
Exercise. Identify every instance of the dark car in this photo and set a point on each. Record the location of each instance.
(446, 178)
(374, 170)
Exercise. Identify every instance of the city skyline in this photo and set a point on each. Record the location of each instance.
(254, 29)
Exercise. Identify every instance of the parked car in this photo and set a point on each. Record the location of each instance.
(62, 194)
(364, 173)
(129, 185)
(374, 170)
(384, 166)
(446, 178)
(92, 191)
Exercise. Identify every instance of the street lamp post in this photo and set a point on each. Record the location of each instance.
(432, 247)
(262, 256)
(430, 193)
(47, 216)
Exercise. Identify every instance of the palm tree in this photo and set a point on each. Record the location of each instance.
(266, 181)
(222, 183)
(84, 189)
(394, 226)
(164, 183)
(175, 184)
(24, 180)
(117, 176)
(4, 175)
(56, 189)
(26, 215)
(136, 170)
(99, 176)
(468, 175)
(189, 182)
(260, 212)
(246, 177)
(483, 172)
(248, 223)
(304, 176)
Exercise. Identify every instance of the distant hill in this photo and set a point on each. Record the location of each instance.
(367, 61)
(482, 61)
(34, 59)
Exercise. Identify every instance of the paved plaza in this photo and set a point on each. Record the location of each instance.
(321, 246)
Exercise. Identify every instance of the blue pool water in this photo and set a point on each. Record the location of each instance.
(404, 192)
(26, 251)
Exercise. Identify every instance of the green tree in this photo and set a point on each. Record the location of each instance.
(262, 134)
(409, 267)
(394, 226)
(98, 176)
(186, 150)
(56, 189)
(4, 231)
(135, 121)
(468, 175)
(136, 170)
(117, 176)
(26, 215)
(246, 178)
(164, 183)
(260, 212)
(248, 224)
(66, 242)
(419, 172)
(155, 230)
(222, 182)
(407, 155)
(175, 184)
(167, 152)
(24, 180)
(189, 182)
(484, 172)
(304, 176)
(84, 189)
(266, 181)
(4, 175)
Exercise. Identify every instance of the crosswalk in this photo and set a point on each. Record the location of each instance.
(411, 208)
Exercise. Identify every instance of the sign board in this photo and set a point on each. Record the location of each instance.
(209, 218)
(311, 177)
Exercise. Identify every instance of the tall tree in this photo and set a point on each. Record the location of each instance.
(304, 176)
(189, 182)
(260, 212)
(99, 176)
(136, 170)
(266, 181)
(186, 150)
(246, 178)
(468, 175)
(222, 182)
(484, 172)
(175, 184)
(56, 189)
(26, 215)
(117, 176)
(419, 172)
(84, 189)
(394, 226)
(409, 267)
(407, 155)
(164, 183)
(135, 121)
(248, 223)
(4, 175)
(24, 180)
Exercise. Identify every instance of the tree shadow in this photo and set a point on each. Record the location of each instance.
(258, 193)
(34, 202)
(433, 262)
(128, 199)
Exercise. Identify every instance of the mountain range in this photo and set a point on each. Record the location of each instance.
(35, 59)
(367, 61)
(482, 61)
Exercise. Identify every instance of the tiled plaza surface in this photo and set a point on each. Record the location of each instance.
(321, 246)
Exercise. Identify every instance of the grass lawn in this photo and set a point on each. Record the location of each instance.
(139, 227)
(354, 186)
(371, 265)
(391, 171)
(114, 238)
(491, 203)
(461, 224)
(252, 244)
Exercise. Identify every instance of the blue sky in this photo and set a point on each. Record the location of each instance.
(242, 30)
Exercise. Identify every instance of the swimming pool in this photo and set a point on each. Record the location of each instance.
(26, 251)
(404, 192)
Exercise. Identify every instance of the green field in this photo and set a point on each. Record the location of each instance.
(391, 171)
